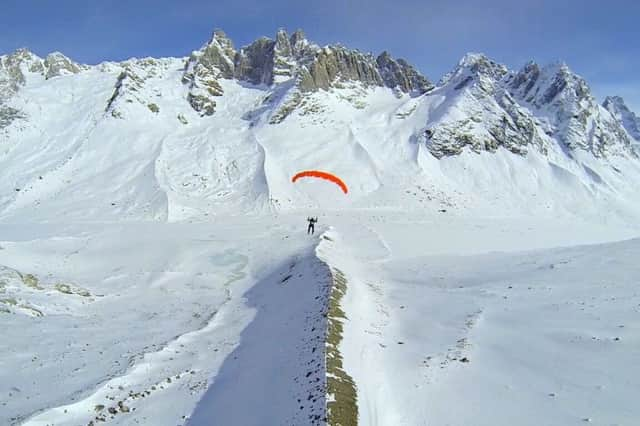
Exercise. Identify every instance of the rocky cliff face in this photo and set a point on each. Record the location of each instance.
(204, 68)
(482, 114)
(493, 107)
(15, 68)
(485, 107)
(291, 58)
(399, 74)
(56, 64)
(564, 102)
(625, 117)
(130, 87)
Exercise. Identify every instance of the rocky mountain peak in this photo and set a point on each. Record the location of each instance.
(298, 42)
(221, 42)
(57, 64)
(571, 112)
(221, 38)
(283, 44)
(523, 81)
(627, 118)
(553, 83)
(475, 69)
(255, 62)
(479, 64)
(22, 55)
(217, 56)
(14, 68)
(21, 61)
(272, 61)
(213, 61)
(482, 114)
(399, 74)
(517, 110)
(615, 103)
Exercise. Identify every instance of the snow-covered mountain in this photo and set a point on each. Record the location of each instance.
(627, 118)
(224, 129)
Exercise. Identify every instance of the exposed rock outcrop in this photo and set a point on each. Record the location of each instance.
(291, 58)
(129, 85)
(204, 68)
(564, 101)
(57, 64)
(399, 74)
(492, 107)
(14, 69)
(625, 117)
(483, 115)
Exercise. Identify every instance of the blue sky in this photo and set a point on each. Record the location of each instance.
(599, 40)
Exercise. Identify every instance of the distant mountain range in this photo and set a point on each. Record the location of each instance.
(224, 128)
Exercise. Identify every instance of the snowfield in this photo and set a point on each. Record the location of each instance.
(155, 267)
(192, 323)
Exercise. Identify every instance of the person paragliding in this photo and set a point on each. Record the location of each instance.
(312, 221)
(322, 175)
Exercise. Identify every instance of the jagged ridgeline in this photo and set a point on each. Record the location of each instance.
(487, 106)
(291, 60)
(13, 68)
(535, 107)
(627, 118)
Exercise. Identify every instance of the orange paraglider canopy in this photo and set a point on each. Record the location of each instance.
(322, 175)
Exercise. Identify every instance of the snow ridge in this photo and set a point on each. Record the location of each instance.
(341, 391)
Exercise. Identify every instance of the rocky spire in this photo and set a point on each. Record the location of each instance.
(215, 60)
(283, 45)
(217, 56)
(399, 74)
(255, 62)
(298, 43)
(221, 38)
(268, 62)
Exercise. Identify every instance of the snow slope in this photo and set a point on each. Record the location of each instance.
(179, 323)
(144, 322)
(468, 331)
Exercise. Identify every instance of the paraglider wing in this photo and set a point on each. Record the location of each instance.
(322, 175)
